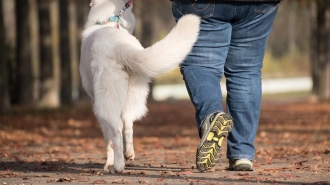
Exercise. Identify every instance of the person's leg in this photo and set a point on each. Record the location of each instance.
(202, 71)
(251, 26)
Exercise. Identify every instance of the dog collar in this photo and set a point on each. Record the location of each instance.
(115, 19)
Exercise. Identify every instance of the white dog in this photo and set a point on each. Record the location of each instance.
(115, 71)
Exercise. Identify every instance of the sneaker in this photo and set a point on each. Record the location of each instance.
(213, 131)
(240, 165)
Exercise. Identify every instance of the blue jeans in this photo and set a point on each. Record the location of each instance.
(232, 43)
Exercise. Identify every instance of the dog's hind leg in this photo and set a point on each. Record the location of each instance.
(110, 91)
(113, 139)
(109, 145)
(128, 140)
(135, 108)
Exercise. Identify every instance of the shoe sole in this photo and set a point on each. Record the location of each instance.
(209, 150)
(244, 167)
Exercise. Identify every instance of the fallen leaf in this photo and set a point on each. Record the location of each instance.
(66, 179)
(185, 172)
(100, 181)
(160, 179)
(144, 182)
(287, 176)
(121, 181)
(167, 173)
(243, 174)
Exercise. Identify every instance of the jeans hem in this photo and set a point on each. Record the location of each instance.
(232, 157)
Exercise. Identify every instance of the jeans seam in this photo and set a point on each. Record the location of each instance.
(212, 3)
(180, 8)
(192, 4)
(263, 11)
(232, 157)
(234, 13)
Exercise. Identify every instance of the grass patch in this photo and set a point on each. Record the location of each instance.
(287, 96)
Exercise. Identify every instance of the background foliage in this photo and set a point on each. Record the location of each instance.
(40, 46)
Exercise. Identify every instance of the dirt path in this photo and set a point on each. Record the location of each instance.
(66, 146)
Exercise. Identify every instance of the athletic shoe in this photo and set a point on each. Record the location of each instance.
(240, 165)
(213, 131)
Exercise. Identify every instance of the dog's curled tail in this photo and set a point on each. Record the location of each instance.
(168, 53)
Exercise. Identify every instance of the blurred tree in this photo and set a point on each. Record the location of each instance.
(292, 26)
(49, 95)
(320, 48)
(24, 78)
(144, 21)
(82, 11)
(4, 95)
(66, 83)
(74, 49)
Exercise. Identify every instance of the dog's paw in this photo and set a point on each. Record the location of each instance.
(129, 157)
(129, 153)
(114, 170)
(107, 167)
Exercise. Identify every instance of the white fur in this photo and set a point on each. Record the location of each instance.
(115, 71)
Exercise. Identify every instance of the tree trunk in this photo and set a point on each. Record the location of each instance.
(55, 44)
(49, 96)
(292, 27)
(320, 52)
(82, 9)
(143, 29)
(327, 67)
(313, 48)
(66, 84)
(4, 95)
(73, 40)
(24, 79)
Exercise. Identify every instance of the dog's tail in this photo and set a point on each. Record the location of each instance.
(168, 53)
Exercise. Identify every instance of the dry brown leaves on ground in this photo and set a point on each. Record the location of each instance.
(66, 146)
